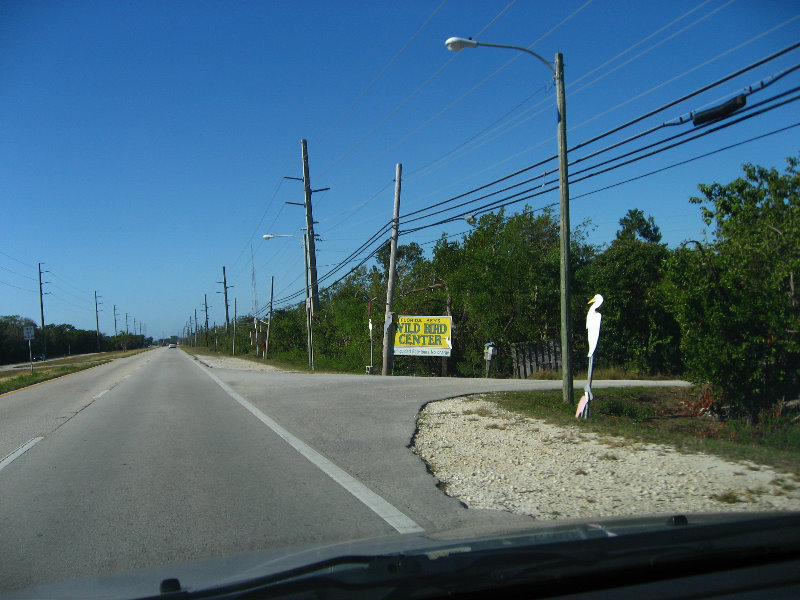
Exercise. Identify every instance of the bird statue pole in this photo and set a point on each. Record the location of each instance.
(593, 319)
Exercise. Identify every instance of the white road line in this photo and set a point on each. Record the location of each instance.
(19, 452)
(370, 499)
(101, 394)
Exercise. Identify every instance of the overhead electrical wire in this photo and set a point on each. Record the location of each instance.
(383, 71)
(17, 260)
(506, 128)
(19, 288)
(697, 92)
(18, 274)
(502, 203)
(354, 255)
(625, 125)
(551, 31)
(500, 131)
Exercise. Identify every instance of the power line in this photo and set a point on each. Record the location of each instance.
(499, 133)
(516, 197)
(19, 288)
(503, 202)
(24, 264)
(382, 73)
(18, 274)
(762, 85)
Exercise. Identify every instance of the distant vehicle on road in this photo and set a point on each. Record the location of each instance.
(38, 357)
(173, 345)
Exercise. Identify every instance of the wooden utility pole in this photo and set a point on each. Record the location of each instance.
(96, 321)
(233, 350)
(388, 325)
(309, 309)
(312, 253)
(205, 302)
(224, 283)
(41, 308)
(269, 322)
(563, 183)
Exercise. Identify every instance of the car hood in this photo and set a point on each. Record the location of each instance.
(214, 573)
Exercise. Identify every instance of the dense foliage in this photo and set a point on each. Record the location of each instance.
(61, 340)
(723, 311)
(735, 296)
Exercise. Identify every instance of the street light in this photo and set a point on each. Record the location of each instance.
(309, 325)
(455, 44)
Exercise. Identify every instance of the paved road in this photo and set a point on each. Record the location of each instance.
(156, 458)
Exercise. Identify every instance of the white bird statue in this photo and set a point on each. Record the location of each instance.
(593, 319)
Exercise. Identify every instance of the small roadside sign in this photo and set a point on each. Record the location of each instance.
(27, 335)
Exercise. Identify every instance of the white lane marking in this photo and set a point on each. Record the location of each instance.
(101, 394)
(366, 496)
(19, 452)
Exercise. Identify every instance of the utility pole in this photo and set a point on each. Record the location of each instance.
(97, 320)
(126, 323)
(566, 333)
(41, 308)
(205, 301)
(269, 322)
(312, 254)
(233, 350)
(388, 328)
(309, 309)
(255, 301)
(225, 286)
(115, 322)
(195, 327)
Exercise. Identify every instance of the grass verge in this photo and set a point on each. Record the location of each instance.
(21, 377)
(666, 415)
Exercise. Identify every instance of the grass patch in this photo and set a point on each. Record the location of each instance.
(21, 377)
(729, 497)
(481, 412)
(664, 415)
(14, 380)
(612, 372)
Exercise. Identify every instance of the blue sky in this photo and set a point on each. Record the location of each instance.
(144, 145)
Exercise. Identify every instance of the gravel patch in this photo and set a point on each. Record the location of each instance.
(230, 362)
(491, 458)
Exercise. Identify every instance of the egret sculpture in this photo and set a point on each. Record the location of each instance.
(593, 319)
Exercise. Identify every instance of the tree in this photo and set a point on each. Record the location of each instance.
(734, 296)
(634, 225)
(13, 348)
(637, 332)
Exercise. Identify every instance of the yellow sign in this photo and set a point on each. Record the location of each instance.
(423, 336)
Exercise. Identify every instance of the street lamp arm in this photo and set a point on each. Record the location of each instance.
(269, 236)
(456, 43)
(557, 68)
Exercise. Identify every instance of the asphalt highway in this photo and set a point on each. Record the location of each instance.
(156, 458)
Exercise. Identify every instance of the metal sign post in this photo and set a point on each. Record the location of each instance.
(27, 334)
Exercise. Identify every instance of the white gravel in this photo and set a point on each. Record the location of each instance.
(490, 458)
(230, 362)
